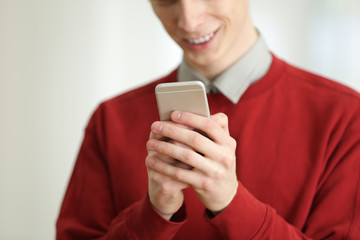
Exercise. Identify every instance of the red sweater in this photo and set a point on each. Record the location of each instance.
(298, 165)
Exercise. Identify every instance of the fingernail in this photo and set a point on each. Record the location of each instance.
(157, 127)
(152, 145)
(151, 161)
(177, 114)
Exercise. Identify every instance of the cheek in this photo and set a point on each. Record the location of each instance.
(170, 29)
(234, 11)
(167, 20)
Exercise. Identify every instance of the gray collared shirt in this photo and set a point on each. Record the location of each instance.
(235, 80)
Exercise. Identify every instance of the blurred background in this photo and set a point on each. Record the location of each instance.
(60, 58)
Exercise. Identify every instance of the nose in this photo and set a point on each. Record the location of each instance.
(189, 14)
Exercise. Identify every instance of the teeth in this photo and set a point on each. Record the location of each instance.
(202, 39)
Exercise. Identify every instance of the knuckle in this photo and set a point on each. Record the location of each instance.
(168, 130)
(223, 118)
(206, 184)
(178, 174)
(232, 143)
(166, 188)
(149, 160)
(156, 178)
(196, 139)
(219, 173)
(188, 155)
(226, 119)
(148, 146)
(157, 165)
(227, 161)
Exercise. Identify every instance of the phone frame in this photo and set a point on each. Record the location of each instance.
(189, 96)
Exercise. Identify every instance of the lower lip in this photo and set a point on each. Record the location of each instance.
(201, 46)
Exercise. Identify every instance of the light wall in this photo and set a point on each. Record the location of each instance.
(60, 58)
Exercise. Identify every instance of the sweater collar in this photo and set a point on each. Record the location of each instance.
(235, 80)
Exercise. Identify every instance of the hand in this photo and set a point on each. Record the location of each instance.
(213, 172)
(165, 193)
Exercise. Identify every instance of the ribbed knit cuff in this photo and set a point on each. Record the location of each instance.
(243, 218)
(149, 224)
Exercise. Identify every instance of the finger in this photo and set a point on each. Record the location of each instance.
(222, 120)
(193, 139)
(209, 126)
(177, 162)
(160, 137)
(155, 136)
(161, 179)
(165, 158)
(187, 177)
(184, 155)
(161, 157)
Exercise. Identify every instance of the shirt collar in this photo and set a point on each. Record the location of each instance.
(235, 80)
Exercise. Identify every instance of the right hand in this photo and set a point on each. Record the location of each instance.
(166, 194)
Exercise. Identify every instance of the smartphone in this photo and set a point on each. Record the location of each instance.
(189, 96)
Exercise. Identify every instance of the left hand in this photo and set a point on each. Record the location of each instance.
(213, 174)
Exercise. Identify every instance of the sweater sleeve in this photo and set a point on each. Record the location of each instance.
(248, 218)
(335, 211)
(88, 210)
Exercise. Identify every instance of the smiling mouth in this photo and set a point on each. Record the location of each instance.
(201, 40)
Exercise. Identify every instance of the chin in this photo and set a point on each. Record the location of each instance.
(201, 60)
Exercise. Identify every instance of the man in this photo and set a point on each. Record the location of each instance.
(280, 159)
